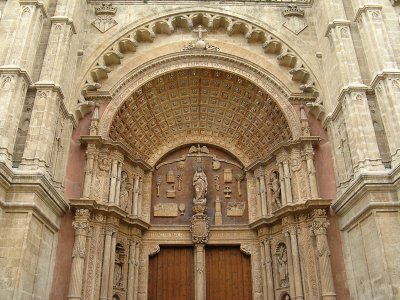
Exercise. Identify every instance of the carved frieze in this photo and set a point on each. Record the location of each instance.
(166, 210)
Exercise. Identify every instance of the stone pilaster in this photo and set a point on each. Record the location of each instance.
(131, 270)
(109, 232)
(118, 185)
(263, 196)
(266, 248)
(387, 94)
(112, 265)
(282, 183)
(319, 226)
(81, 226)
(135, 195)
(375, 38)
(296, 262)
(292, 285)
(340, 35)
(288, 183)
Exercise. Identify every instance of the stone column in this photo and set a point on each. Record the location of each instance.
(288, 185)
(118, 185)
(140, 197)
(200, 274)
(136, 283)
(269, 199)
(90, 156)
(268, 268)
(81, 226)
(131, 271)
(263, 270)
(113, 181)
(135, 196)
(263, 196)
(282, 183)
(106, 263)
(296, 263)
(112, 265)
(259, 206)
(319, 227)
(290, 265)
(311, 172)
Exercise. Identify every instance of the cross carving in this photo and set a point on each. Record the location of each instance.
(200, 30)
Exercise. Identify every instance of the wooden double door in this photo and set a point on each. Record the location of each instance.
(172, 274)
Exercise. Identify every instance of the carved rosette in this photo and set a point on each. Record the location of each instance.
(199, 228)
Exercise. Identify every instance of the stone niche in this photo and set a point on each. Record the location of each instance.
(173, 192)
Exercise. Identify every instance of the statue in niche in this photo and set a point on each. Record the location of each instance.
(282, 265)
(123, 195)
(200, 186)
(119, 261)
(276, 189)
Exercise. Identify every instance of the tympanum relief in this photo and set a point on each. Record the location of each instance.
(199, 175)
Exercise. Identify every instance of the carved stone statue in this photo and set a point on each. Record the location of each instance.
(282, 265)
(200, 186)
(123, 195)
(276, 189)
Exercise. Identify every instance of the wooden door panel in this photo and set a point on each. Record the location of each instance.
(171, 274)
(228, 274)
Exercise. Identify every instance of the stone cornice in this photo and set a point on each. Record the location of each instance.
(291, 209)
(17, 181)
(301, 142)
(364, 8)
(37, 3)
(365, 183)
(99, 141)
(64, 20)
(344, 92)
(385, 74)
(304, 3)
(49, 85)
(335, 23)
(13, 69)
(110, 210)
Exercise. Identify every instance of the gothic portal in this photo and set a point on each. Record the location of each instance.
(170, 150)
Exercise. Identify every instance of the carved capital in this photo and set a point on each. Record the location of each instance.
(247, 249)
(82, 213)
(152, 249)
(319, 213)
(81, 227)
(319, 227)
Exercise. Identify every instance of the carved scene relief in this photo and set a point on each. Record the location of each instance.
(199, 174)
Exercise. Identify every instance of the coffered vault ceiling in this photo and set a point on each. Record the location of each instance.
(200, 102)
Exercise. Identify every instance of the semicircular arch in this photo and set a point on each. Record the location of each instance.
(132, 35)
(261, 79)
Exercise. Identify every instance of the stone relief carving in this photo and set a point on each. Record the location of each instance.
(275, 188)
(124, 191)
(120, 256)
(235, 209)
(200, 185)
(105, 13)
(166, 210)
(294, 19)
(282, 259)
(200, 43)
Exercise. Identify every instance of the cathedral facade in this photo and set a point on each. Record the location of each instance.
(199, 149)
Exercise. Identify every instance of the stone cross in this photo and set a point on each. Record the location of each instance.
(200, 30)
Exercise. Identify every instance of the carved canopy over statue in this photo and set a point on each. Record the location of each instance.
(200, 186)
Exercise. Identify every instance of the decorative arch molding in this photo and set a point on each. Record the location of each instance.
(146, 31)
(218, 61)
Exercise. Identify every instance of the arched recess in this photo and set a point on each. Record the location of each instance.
(258, 34)
(262, 80)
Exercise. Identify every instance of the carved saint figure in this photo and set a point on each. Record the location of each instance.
(123, 195)
(282, 265)
(276, 189)
(200, 186)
